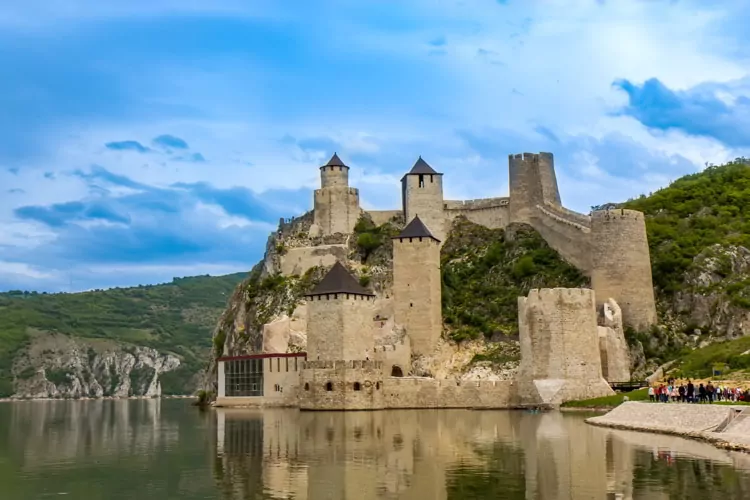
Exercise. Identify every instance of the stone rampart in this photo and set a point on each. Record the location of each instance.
(415, 392)
(341, 385)
(339, 327)
(621, 265)
(568, 238)
(298, 260)
(489, 212)
(336, 209)
(380, 217)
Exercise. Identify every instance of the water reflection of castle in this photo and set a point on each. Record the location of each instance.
(426, 455)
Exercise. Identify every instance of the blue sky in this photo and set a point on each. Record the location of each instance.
(148, 139)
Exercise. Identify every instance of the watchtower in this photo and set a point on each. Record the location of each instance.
(417, 285)
(339, 325)
(336, 204)
(422, 195)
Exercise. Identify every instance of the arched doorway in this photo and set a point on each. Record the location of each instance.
(396, 371)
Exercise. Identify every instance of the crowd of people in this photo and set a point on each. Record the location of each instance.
(689, 393)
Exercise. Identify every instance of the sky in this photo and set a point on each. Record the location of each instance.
(149, 139)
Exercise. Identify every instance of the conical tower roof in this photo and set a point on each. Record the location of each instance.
(421, 167)
(335, 161)
(416, 229)
(339, 280)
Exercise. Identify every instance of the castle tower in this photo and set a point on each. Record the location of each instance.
(422, 195)
(336, 204)
(417, 285)
(532, 182)
(621, 265)
(340, 323)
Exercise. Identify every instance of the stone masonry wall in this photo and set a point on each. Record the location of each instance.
(489, 212)
(417, 291)
(425, 201)
(621, 265)
(341, 385)
(394, 355)
(568, 238)
(560, 358)
(336, 209)
(339, 327)
(298, 260)
(380, 217)
(415, 392)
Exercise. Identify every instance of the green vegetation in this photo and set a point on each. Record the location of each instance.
(371, 238)
(700, 362)
(177, 317)
(694, 212)
(484, 271)
(608, 401)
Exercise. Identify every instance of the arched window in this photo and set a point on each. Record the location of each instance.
(377, 386)
(357, 387)
(396, 371)
(307, 386)
(329, 386)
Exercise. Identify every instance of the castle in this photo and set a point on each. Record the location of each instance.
(572, 340)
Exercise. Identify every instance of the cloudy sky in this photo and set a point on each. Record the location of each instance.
(148, 139)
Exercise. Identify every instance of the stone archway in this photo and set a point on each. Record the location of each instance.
(396, 371)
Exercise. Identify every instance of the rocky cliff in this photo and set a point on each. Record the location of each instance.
(58, 366)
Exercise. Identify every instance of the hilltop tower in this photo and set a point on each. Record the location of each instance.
(417, 285)
(336, 204)
(532, 182)
(422, 195)
(340, 372)
(621, 265)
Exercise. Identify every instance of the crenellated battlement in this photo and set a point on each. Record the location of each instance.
(342, 364)
(617, 214)
(559, 295)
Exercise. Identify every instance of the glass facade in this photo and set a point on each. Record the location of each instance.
(243, 377)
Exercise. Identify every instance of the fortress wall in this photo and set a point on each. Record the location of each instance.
(298, 260)
(568, 215)
(621, 265)
(380, 217)
(354, 385)
(336, 209)
(394, 355)
(548, 179)
(490, 212)
(570, 239)
(413, 392)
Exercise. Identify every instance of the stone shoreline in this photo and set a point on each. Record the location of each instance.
(724, 426)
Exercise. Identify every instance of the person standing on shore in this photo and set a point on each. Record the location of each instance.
(690, 391)
(681, 392)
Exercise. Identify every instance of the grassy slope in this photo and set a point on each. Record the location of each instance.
(177, 317)
(484, 272)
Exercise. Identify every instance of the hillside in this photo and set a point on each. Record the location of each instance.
(174, 318)
(699, 236)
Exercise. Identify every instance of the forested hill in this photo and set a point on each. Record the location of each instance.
(176, 317)
(699, 236)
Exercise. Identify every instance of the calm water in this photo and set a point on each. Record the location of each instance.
(150, 449)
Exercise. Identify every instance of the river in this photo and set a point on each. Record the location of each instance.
(152, 449)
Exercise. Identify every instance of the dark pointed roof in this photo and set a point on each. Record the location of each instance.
(335, 161)
(421, 167)
(339, 280)
(416, 229)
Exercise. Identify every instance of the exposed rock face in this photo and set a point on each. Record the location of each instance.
(58, 366)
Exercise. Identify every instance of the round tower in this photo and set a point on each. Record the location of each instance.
(548, 179)
(336, 205)
(422, 195)
(621, 265)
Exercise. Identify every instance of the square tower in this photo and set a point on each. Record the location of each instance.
(336, 205)
(417, 285)
(340, 325)
(422, 195)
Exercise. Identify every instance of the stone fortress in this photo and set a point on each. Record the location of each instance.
(572, 340)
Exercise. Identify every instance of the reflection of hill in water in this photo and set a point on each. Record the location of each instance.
(457, 455)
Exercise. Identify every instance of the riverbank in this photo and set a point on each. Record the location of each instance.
(725, 426)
